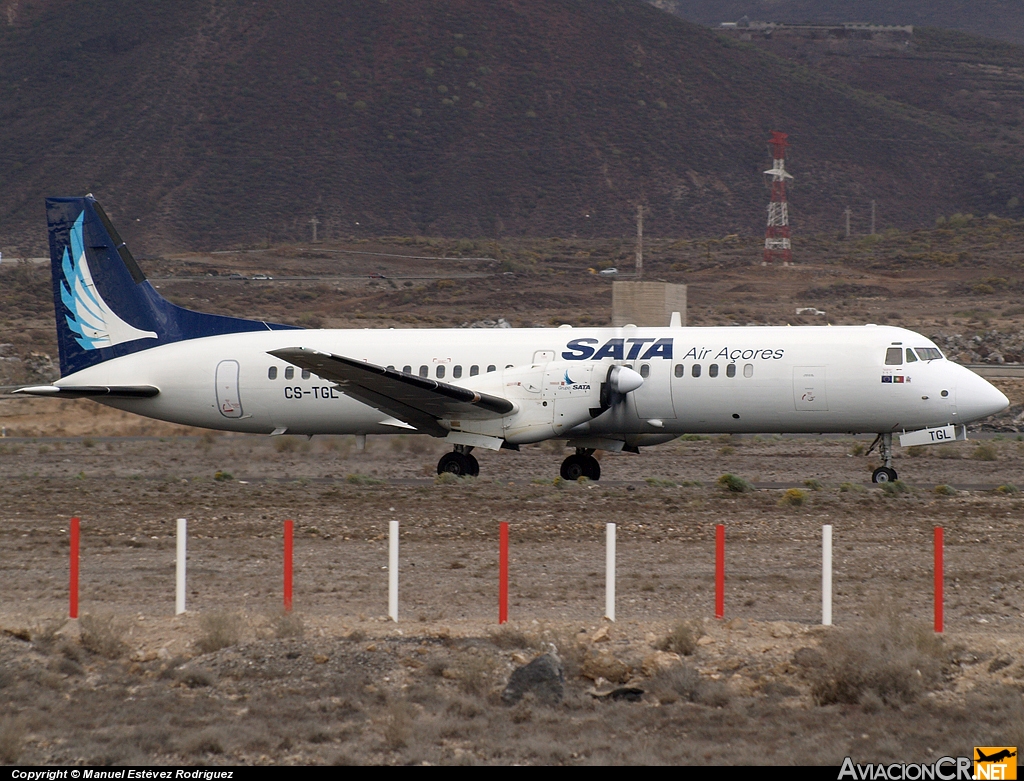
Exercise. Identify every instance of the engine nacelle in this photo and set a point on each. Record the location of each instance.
(550, 398)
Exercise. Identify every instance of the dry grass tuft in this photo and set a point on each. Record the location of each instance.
(287, 624)
(683, 683)
(985, 452)
(12, 737)
(890, 659)
(103, 635)
(508, 638)
(682, 639)
(396, 725)
(219, 630)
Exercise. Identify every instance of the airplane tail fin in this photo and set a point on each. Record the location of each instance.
(104, 304)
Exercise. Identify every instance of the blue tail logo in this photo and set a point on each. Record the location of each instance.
(105, 306)
(94, 324)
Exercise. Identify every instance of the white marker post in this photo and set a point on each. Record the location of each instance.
(609, 572)
(826, 575)
(179, 591)
(393, 570)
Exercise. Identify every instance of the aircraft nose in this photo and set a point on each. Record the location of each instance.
(977, 398)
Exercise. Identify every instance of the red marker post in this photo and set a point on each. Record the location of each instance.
(73, 591)
(720, 571)
(289, 527)
(938, 579)
(503, 573)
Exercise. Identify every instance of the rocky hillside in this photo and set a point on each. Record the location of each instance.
(204, 125)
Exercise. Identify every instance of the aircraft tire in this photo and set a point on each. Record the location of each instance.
(573, 468)
(593, 468)
(473, 464)
(884, 475)
(455, 464)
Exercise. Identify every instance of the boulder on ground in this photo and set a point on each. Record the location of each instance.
(543, 678)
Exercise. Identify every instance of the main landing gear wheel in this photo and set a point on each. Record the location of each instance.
(577, 466)
(884, 474)
(459, 464)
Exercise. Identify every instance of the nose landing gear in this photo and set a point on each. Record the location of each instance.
(459, 462)
(885, 473)
(582, 464)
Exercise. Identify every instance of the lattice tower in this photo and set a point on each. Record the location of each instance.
(776, 236)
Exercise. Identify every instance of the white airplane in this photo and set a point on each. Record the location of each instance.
(615, 389)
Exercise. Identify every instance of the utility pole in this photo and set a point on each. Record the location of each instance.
(639, 241)
(847, 213)
(314, 222)
(872, 217)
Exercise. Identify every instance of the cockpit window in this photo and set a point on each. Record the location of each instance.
(894, 356)
(911, 358)
(928, 353)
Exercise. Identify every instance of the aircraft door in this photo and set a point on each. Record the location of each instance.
(228, 401)
(653, 399)
(809, 389)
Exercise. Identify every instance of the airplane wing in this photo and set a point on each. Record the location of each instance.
(418, 401)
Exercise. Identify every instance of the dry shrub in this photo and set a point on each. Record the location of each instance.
(731, 482)
(947, 451)
(207, 741)
(890, 658)
(683, 683)
(508, 638)
(287, 624)
(985, 452)
(682, 639)
(103, 635)
(12, 736)
(219, 630)
(793, 497)
(396, 725)
(474, 673)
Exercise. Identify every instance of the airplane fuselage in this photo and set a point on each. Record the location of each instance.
(696, 380)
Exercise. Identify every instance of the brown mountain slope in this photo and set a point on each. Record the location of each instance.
(203, 124)
(1003, 19)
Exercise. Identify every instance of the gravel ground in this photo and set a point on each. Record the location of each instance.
(337, 682)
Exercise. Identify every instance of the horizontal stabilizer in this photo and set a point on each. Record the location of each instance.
(91, 391)
(418, 401)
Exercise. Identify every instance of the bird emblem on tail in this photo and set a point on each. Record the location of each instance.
(93, 322)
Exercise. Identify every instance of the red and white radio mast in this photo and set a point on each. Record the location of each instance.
(776, 236)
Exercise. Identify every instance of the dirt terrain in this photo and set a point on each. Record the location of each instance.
(236, 680)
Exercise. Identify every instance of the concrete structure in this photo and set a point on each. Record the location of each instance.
(647, 303)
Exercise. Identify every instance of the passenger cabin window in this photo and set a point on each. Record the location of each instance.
(305, 374)
(491, 368)
(289, 373)
(440, 371)
(456, 372)
(928, 354)
(730, 370)
(748, 370)
(894, 356)
(474, 370)
(695, 370)
(679, 370)
(911, 358)
(272, 373)
(407, 369)
(645, 370)
(508, 365)
(713, 370)
(424, 371)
